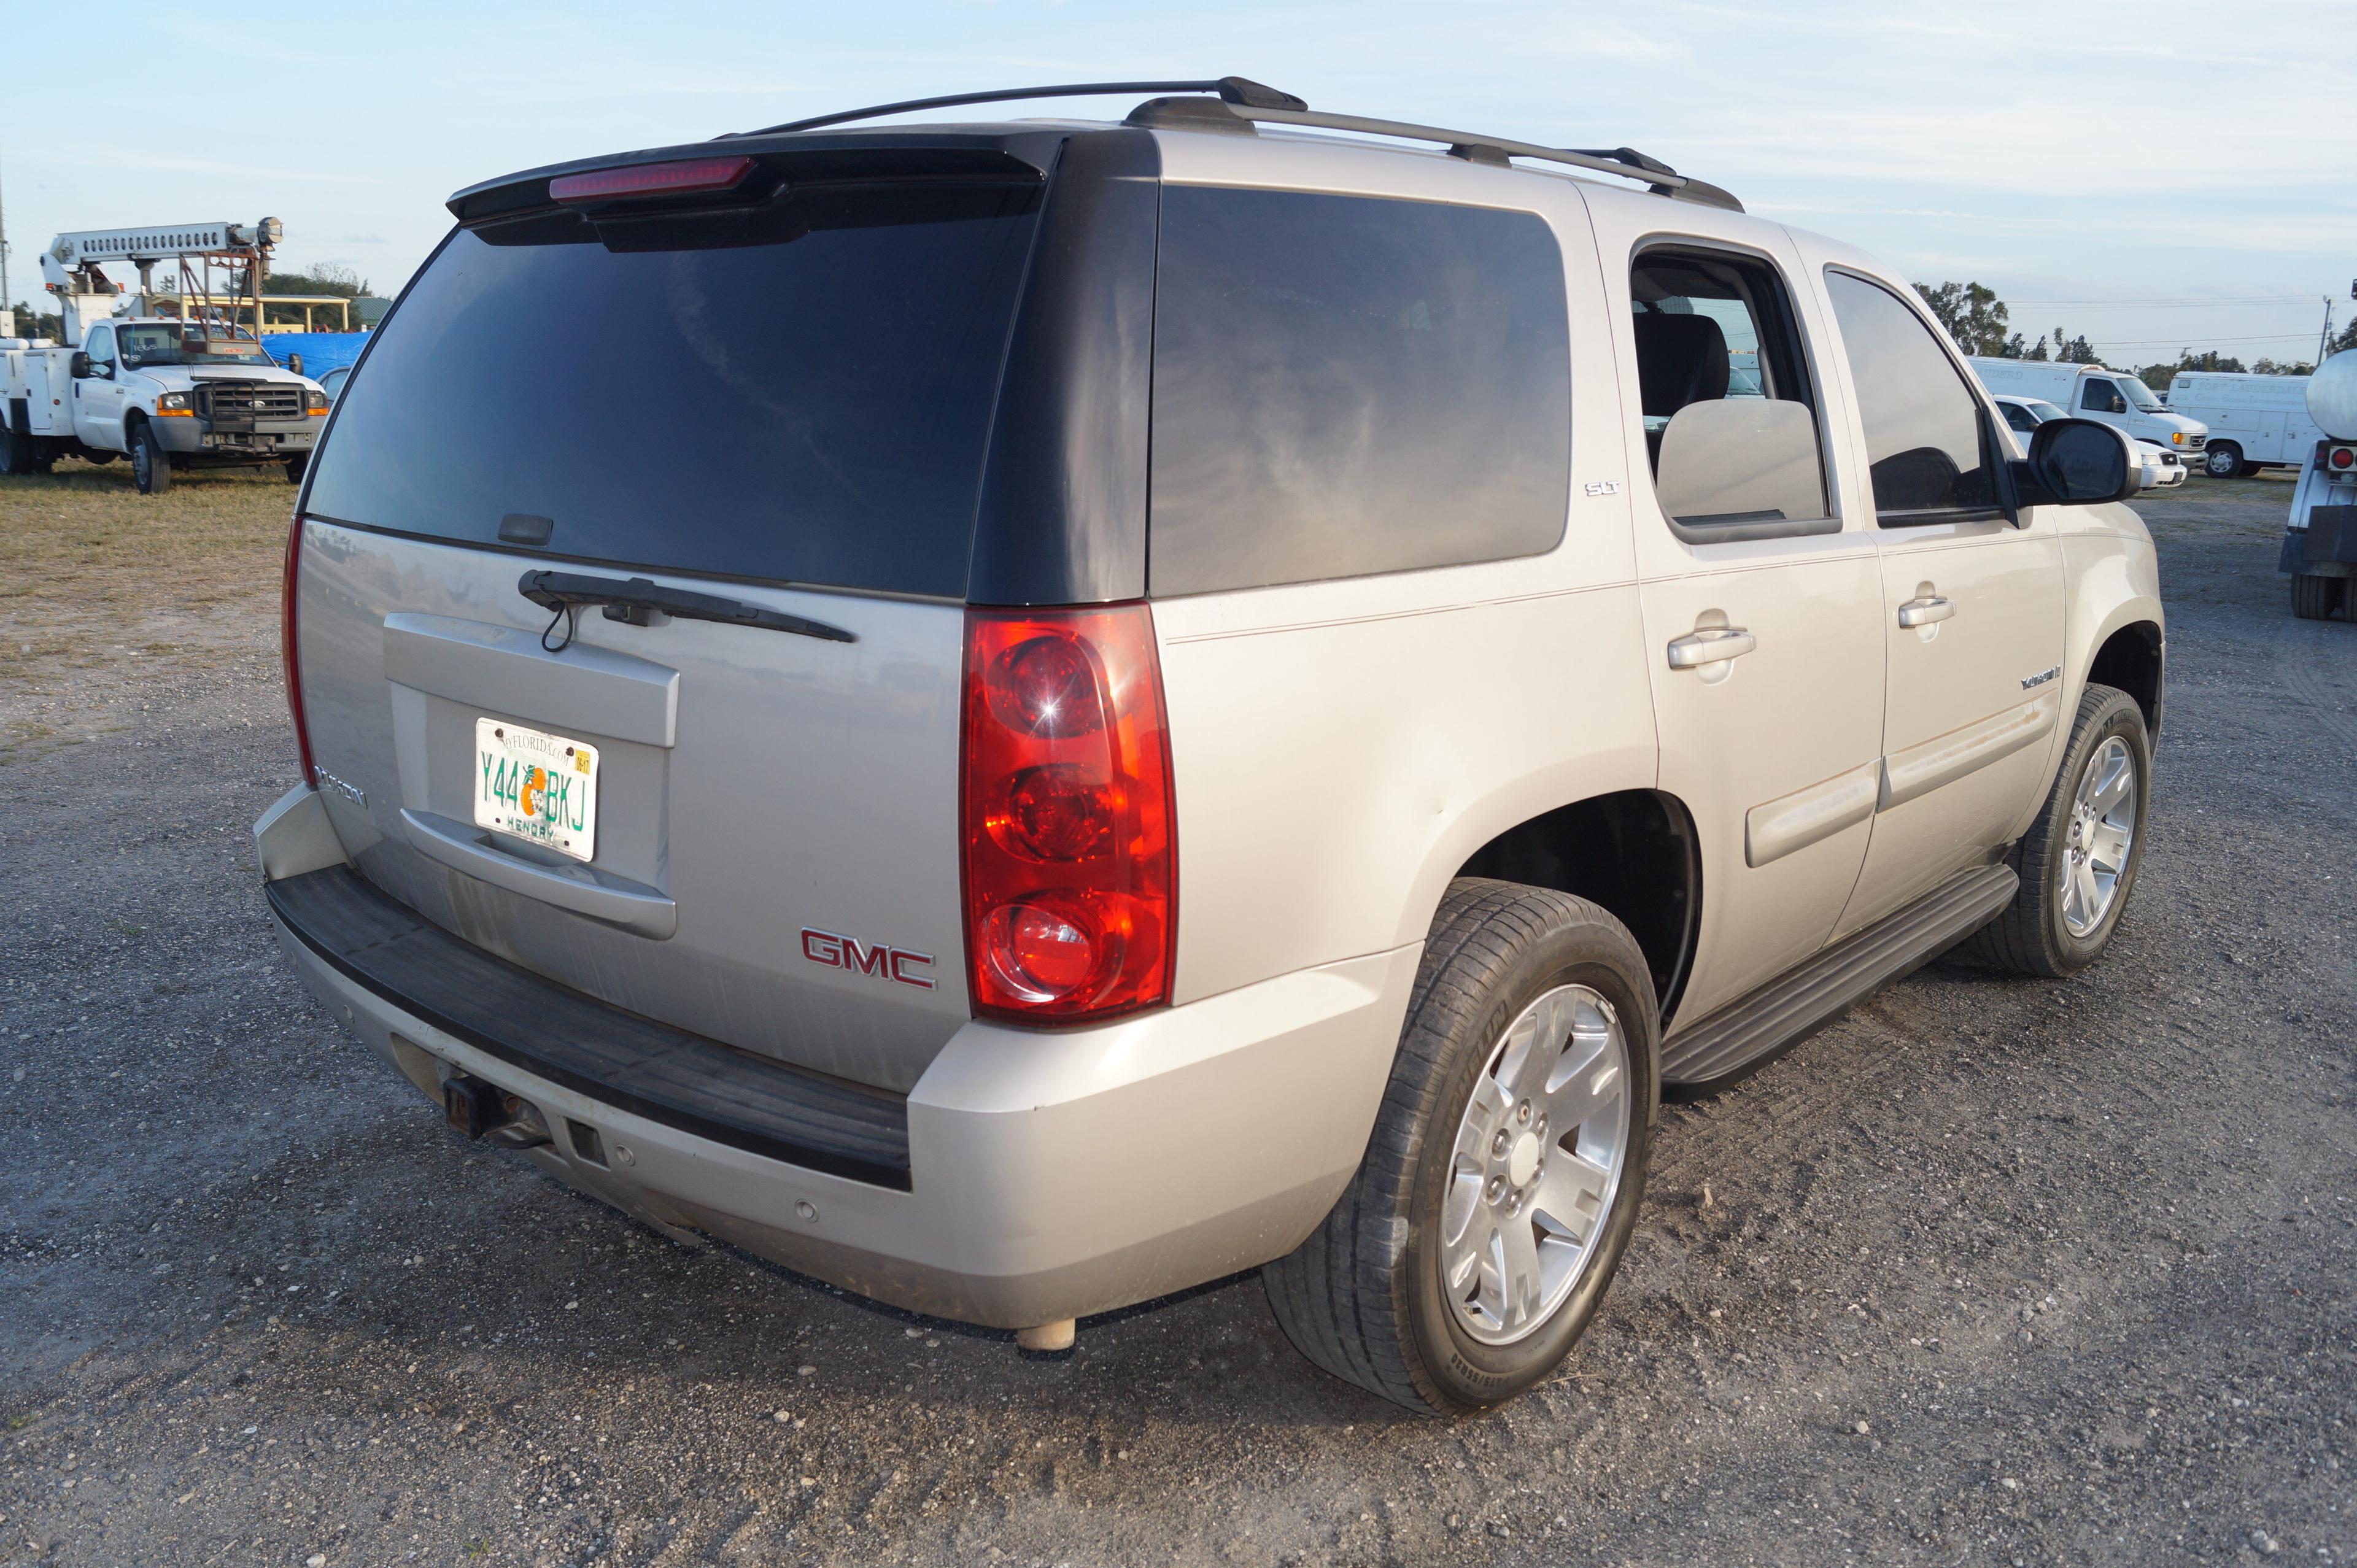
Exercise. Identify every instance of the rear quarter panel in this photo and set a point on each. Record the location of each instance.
(1340, 748)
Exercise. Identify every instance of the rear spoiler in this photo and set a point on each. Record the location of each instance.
(951, 153)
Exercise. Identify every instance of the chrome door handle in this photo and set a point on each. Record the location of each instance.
(1711, 645)
(1924, 611)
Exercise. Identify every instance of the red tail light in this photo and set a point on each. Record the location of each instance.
(683, 177)
(287, 651)
(2344, 456)
(1071, 892)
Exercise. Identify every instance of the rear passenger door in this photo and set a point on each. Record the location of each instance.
(1759, 617)
(1972, 605)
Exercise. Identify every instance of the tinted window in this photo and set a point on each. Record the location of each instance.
(810, 409)
(1923, 432)
(2018, 417)
(1345, 385)
(2101, 396)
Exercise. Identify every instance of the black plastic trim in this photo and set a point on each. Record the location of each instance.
(1062, 515)
(617, 1058)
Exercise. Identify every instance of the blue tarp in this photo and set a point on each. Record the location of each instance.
(321, 352)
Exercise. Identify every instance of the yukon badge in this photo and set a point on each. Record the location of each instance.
(2041, 678)
(835, 951)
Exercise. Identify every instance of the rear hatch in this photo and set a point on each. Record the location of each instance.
(776, 395)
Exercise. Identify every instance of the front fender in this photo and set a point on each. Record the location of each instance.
(2111, 581)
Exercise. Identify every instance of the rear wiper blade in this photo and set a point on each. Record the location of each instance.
(630, 599)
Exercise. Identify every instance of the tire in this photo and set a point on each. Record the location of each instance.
(1364, 1296)
(295, 467)
(2044, 931)
(2223, 461)
(151, 470)
(2315, 597)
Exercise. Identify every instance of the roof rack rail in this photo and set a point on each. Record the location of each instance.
(1230, 89)
(1626, 163)
(1249, 101)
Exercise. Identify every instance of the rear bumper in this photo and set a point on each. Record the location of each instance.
(1049, 1174)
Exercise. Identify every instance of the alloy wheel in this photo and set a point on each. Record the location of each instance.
(2102, 832)
(1536, 1166)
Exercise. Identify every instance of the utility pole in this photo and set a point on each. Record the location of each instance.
(2325, 337)
(5, 302)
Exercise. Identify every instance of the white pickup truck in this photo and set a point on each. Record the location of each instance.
(171, 392)
(151, 388)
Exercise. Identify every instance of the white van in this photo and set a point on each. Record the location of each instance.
(2254, 421)
(2092, 391)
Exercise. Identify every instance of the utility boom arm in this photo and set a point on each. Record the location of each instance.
(86, 294)
(160, 242)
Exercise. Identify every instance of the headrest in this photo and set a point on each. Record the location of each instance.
(1680, 360)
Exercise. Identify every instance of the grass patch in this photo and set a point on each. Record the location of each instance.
(97, 577)
(83, 533)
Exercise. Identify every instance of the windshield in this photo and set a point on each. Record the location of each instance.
(810, 409)
(2042, 411)
(167, 343)
(2139, 395)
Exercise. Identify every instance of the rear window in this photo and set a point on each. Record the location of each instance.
(1345, 385)
(806, 410)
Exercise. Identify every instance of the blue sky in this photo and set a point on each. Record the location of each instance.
(2155, 175)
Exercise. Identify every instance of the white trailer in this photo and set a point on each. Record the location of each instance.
(2254, 421)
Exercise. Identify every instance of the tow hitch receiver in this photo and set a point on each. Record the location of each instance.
(472, 1106)
(480, 1110)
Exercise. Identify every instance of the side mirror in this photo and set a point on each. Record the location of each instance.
(2077, 462)
(1739, 461)
(78, 366)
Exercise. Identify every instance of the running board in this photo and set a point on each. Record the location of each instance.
(1745, 1036)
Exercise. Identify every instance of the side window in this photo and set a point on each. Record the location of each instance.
(2103, 397)
(1924, 438)
(2020, 418)
(101, 346)
(1345, 385)
(1723, 384)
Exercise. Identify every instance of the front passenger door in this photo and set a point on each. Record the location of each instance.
(1972, 610)
(98, 396)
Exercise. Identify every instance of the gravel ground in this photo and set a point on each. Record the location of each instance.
(1990, 1271)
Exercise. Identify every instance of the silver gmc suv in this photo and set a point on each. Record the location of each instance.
(1019, 716)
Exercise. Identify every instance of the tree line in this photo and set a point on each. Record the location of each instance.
(1980, 323)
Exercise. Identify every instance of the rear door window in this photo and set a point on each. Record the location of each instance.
(809, 409)
(1346, 385)
(1714, 327)
(1926, 445)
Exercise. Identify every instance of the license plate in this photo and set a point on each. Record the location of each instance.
(539, 787)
